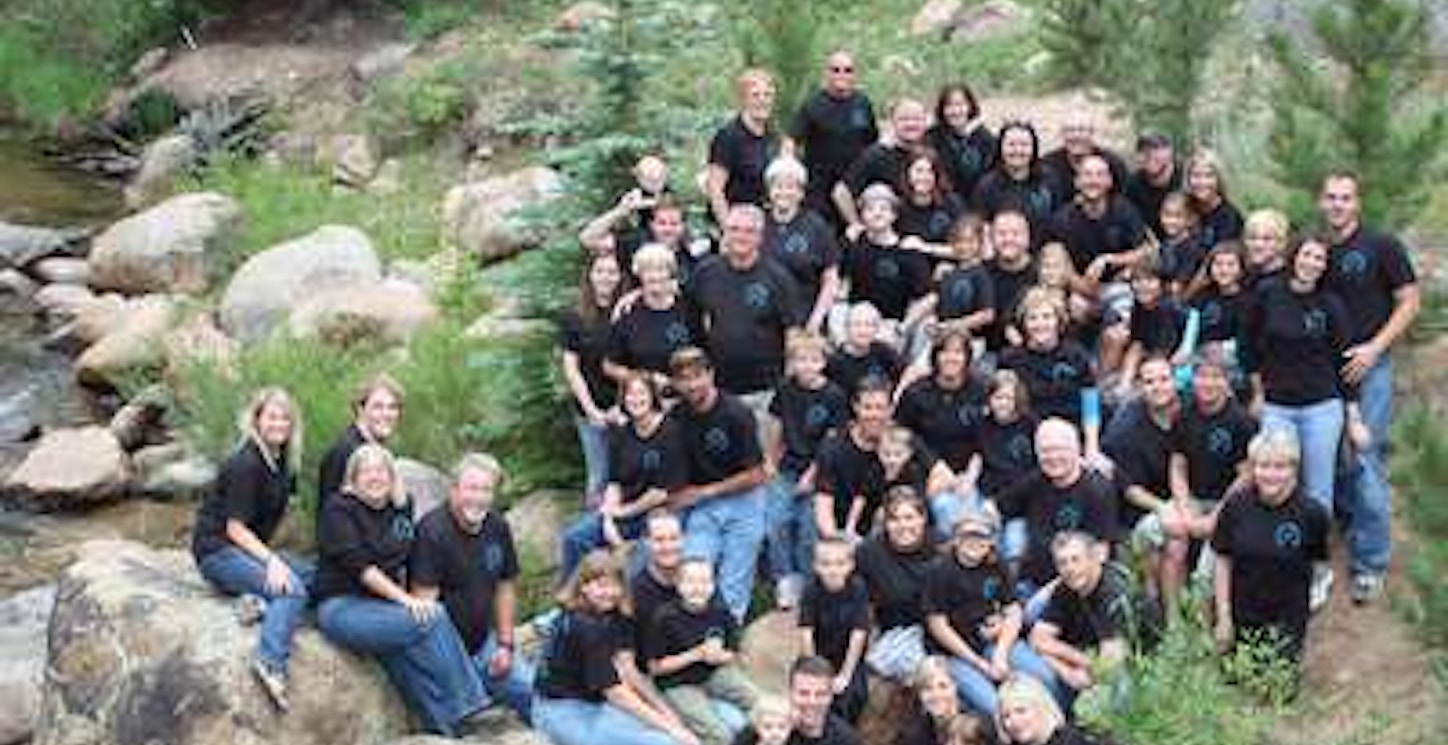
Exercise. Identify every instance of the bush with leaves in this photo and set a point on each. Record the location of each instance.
(781, 36)
(1420, 473)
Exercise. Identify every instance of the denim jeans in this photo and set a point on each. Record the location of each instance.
(593, 440)
(790, 534)
(586, 534)
(728, 531)
(515, 688)
(426, 661)
(715, 710)
(978, 692)
(1319, 433)
(1362, 485)
(572, 721)
(236, 572)
(946, 508)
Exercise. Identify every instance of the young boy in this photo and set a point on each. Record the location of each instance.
(692, 657)
(834, 622)
(771, 723)
(862, 355)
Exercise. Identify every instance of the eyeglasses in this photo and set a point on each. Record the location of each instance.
(834, 68)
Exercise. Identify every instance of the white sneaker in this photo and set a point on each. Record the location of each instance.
(1321, 590)
(787, 591)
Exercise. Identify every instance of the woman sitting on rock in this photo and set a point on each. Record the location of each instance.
(235, 525)
(366, 535)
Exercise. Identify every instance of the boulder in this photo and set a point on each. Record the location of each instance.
(505, 733)
(353, 159)
(143, 651)
(64, 301)
(494, 326)
(134, 345)
(420, 274)
(989, 20)
(99, 318)
(167, 248)
(17, 293)
(71, 468)
(162, 163)
(62, 270)
(427, 485)
(388, 311)
(388, 180)
(172, 472)
(935, 17)
(382, 62)
(23, 619)
(538, 521)
(487, 217)
(264, 290)
(139, 421)
(22, 244)
(197, 339)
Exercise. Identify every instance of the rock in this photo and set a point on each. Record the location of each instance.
(935, 17)
(264, 290)
(576, 16)
(162, 162)
(71, 468)
(18, 418)
(769, 646)
(388, 311)
(388, 180)
(17, 293)
(428, 486)
(64, 301)
(197, 339)
(989, 20)
(484, 217)
(62, 270)
(383, 62)
(135, 345)
(143, 651)
(492, 326)
(149, 62)
(167, 248)
(353, 159)
(538, 520)
(420, 274)
(23, 621)
(172, 472)
(138, 422)
(99, 318)
(508, 732)
(22, 244)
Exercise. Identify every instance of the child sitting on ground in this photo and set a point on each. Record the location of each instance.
(834, 622)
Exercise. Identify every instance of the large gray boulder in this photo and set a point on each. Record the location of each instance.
(488, 217)
(143, 652)
(71, 468)
(23, 619)
(390, 311)
(162, 163)
(134, 345)
(168, 248)
(22, 244)
(269, 285)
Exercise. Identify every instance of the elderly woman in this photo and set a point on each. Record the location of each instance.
(1269, 536)
(236, 523)
(801, 240)
(941, 717)
(1029, 715)
(366, 535)
(657, 324)
(742, 148)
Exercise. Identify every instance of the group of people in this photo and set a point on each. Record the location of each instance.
(936, 388)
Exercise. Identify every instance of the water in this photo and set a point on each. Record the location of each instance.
(36, 190)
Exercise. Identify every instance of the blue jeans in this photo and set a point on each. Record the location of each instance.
(571, 721)
(586, 534)
(1319, 433)
(236, 572)
(978, 692)
(515, 688)
(790, 534)
(425, 660)
(728, 531)
(1015, 538)
(1362, 486)
(946, 508)
(593, 440)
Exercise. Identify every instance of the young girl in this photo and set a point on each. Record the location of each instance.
(879, 270)
(905, 461)
(1181, 251)
(1008, 450)
(586, 330)
(770, 721)
(1158, 325)
(1207, 192)
(964, 296)
(1078, 291)
(862, 355)
(1222, 309)
(1057, 371)
(929, 207)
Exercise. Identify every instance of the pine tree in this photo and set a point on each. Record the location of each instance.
(1158, 73)
(781, 36)
(1364, 107)
(1085, 38)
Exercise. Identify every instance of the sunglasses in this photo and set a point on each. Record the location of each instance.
(841, 69)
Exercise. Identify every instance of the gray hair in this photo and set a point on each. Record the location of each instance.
(1275, 442)
(786, 167)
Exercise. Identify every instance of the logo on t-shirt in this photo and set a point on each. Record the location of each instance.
(860, 117)
(887, 268)
(796, 244)
(961, 293)
(1288, 534)
(817, 415)
(1039, 200)
(1219, 442)
(756, 295)
(1063, 372)
(1020, 448)
(402, 528)
(967, 414)
(492, 558)
(651, 459)
(990, 589)
(676, 333)
(1314, 323)
(1352, 265)
(1211, 314)
(1068, 516)
(716, 440)
(939, 224)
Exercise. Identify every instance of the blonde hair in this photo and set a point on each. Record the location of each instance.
(1209, 158)
(1270, 219)
(474, 461)
(932, 666)
(378, 382)
(246, 424)
(1275, 442)
(1041, 296)
(654, 256)
(769, 706)
(595, 564)
(1020, 689)
(373, 453)
(749, 78)
(798, 342)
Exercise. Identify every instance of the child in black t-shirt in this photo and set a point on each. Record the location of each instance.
(1181, 251)
(1158, 326)
(834, 622)
(769, 724)
(964, 296)
(1008, 450)
(862, 355)
(693, 656)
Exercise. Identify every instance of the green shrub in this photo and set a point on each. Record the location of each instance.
(1420, 476)
(419, 108)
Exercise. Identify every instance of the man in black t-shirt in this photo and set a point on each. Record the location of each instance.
(725, 497)
(882, 162)
(464, 557)
(845, 461)
(1093, 610)
(1157, 174)
(832, 127)
(810, 697)
(1101, 230)
(1078, 141)
(654, 585)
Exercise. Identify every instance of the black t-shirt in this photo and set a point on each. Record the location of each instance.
(248, 489)
(1117, 230)
(1181, 258)
(1089, 505)
(837, 731)
(833, 133)
(1141, 450)
(806, 246)
(1058, 162)
(967, 157)
(1213, 444)
(644, 338)
(721, 441)
(1147, 197)
(1007, 454)
(1222, 317)
(896, 581)
(1365, 271)
(1223, 223)
(929, 222)
(589, 339)
(1298, 345)
(1008, 286)
(334, 464)
(649, 596)
(806, 416)
(849, 370)
(963, 291)
(1106, 614)
(914, 473)
(578, 660)
(467, 568)
(888, 277)
(966, 596)
(637, 463)
(949, 421)
(353, 536)
(878, 164)
(1055, 378)
(1272, 551)
(843, 471)
(833, 616)
(744, 155)
(1035, 196)
(747, 312)
(679, 629)
(1159, 329)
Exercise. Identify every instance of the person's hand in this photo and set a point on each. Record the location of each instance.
(1358, 434)
(999, 669)
(683, 736)
(421, 610)
(501, 663)
(1013, 336)
(1097, 268)
(1099, 462)
(1360, 359)
(1222, 633)
(839, 684)
(853, 231)
(912, 243)
(278, 576)
(596, 417)
(633, 200)
(1079, 678)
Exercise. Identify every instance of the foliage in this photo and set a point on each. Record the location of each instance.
(421, 107)
(1420, 475)
(1161, 72)
(1368, 106)
(1085, 38)
(782, 37)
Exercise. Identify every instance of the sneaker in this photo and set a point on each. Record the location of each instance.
(486, 721)
(787, 591)
(273, 681)
(1366, 587)
(1321, 592)
(250, 609)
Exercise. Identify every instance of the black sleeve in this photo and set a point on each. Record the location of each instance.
(570, 332)
(423, 566)
(1397, 267)
(509, 571)
(935, 597)
(809, 608)
(749, 433)
(1226, 523)
(859, 606)
(238, 486)
(721, 152)
(1012, 502)
(341, 541)
(329, 476)
(596, 661)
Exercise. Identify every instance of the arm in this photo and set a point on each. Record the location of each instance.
(845, 203)
(597, 235)
(1046, 639)
(857, 513)
(573, 375)
(941, 631)
(824, 513)
(1142, 498)
(626, 698)
(806, 641)
(1222, 595)
(853, 654)
(738, 482)
(1407, 301)
(673, 663)
(1178, 477)
(830, 286)
(939, 480)
(714, 185)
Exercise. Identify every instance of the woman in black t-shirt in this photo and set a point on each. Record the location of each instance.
(590, 691)
(366, 537)
(585, 337)
(1018, 180)
(236, 523)
(659, 322)
(743, 147)
(928, 206)
(940, 719)
(965, 144)
(1218, 219)
(1028, 715)
(893, 564)
(802, 241)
